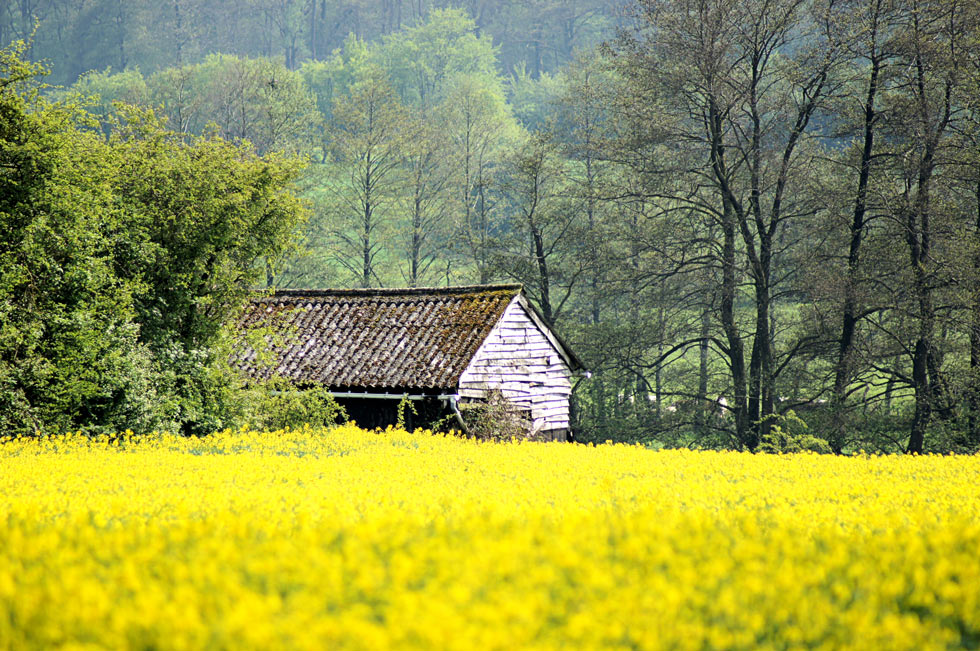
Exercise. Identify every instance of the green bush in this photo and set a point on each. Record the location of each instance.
(789, 433)
(277, 404)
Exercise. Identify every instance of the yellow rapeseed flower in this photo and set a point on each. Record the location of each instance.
(348, 539)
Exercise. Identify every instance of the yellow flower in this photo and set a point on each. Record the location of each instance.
(354, 539)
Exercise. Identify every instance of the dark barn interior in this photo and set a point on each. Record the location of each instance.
(428, 413)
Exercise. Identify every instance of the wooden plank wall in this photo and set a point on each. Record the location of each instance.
(518, 360)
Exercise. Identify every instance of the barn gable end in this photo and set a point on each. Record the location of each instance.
(524, 361)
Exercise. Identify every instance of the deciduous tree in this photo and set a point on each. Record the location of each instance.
(368, 145)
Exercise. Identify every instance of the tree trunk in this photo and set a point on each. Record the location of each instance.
(543, 277)
(658, 372)
(366, 243)
(729, 286)
(974, 393)
(918, 241)
(843, 371)
(416, 241)
(923, 402)
(366, 248)
(121, 31)
(760, 366)
(736, 354)
(704, 408)
(484, 226)
(536, 35)
(918, 236)
(179, 21)
(313, 5)
(590, 209)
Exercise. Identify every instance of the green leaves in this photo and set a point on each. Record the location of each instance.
(121, 261)
(65, 314)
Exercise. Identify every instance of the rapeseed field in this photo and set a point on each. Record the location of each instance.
(347, 539)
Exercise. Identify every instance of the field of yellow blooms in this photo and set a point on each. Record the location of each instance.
(346, 539)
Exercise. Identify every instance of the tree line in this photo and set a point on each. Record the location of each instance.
(76, 36)
(757, 222)
(816, 163)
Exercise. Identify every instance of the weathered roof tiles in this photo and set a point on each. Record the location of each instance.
(374, 338)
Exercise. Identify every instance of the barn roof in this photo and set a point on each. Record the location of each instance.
(375, 338)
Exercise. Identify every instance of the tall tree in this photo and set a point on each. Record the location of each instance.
(588, 89)
(479, 126)
(258, 100)
(203, 218)
(68, 351)
(745, 82)
(540, 247)
(423, 60)
(969, 182)
(427, 203)
(868, 45)
(932, 47)
(123, 262)
(368, 145)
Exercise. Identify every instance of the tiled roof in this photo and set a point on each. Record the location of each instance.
(374, 338)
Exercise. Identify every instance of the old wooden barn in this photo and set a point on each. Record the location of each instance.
(441, 347)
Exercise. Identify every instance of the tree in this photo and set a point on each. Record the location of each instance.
(542, 35)
(428, 177)
(258, 100)
(743, 86)
(584, 129)
(106, 88)
(123, 262)
(69, 355)
(933, 43)
(969, 184)
(871, 26)
(368, 141)
(422, 61)
(540, 247)
(204, 218)
(479, 127)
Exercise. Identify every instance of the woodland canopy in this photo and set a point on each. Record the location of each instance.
(757, 222)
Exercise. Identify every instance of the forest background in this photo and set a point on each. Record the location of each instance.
(758, 222)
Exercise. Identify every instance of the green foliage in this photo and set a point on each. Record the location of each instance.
(276, 404)
(255, 100)
(442, 125)
(201, 213)
(681, 207)
(93, 35)
(788, 433)
(204, 211)
(405, 405)
(327, 80)
(534, 100)
(105, 89)
(412, 122)
(121, 263)
(539, 245)
(369, 135)
(69, 351)
(421, 61)
(258, 100)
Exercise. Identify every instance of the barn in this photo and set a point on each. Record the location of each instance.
(443, 348)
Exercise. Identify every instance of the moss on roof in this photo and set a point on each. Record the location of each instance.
(418, 338)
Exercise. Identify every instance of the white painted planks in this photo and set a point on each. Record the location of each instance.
(521, 361)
